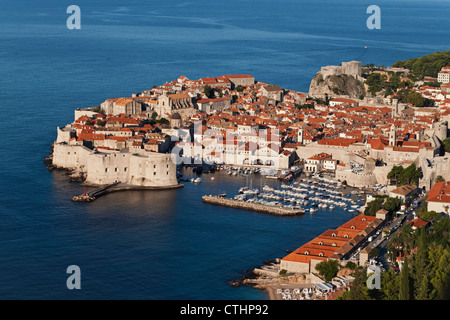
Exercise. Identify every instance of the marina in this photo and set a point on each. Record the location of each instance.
(309, 194)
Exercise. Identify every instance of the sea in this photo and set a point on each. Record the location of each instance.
(163, 245)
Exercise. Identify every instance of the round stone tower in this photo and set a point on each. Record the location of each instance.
(175, 121)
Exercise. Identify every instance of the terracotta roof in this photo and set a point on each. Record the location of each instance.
(417, 223)
(404, 190)
(440, 192)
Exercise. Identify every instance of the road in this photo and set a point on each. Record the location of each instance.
(381, 242)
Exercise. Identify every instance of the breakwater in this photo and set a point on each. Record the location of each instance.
(115, 187)
(232, 203)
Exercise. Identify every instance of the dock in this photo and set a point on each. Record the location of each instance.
(114, 187)
(232, 203)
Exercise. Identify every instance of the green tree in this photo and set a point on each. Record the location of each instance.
(358, 289)
(424, 289)
(328, 269)
(428, 65)
(411, 175)
(163, 121)
(392, 205)
(395, 173)
(430, 215)
(304, 106)
(441, 272)
(402, 176)
(446, 144)
(415, 98)
(439, 179)
(390, 285)
(373, 206)
(239, 88)
(405, 288)
(208, 91)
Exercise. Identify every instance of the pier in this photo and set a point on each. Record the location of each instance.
(227, 202)
(114, 187)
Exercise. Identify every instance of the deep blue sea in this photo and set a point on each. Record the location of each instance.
(162, 244)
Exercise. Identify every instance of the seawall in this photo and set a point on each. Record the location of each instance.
(226, 202)
(91, 196)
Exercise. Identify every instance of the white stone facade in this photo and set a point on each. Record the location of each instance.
(146, 169)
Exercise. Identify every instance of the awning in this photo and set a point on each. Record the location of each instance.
(324, 286)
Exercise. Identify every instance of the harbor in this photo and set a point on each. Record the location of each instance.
(298, 193)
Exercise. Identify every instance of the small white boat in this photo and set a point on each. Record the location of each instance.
(198, 180)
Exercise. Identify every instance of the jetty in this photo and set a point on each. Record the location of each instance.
(114, 187)
(251, 206)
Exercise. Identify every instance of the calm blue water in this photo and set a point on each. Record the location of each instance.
(162, 245)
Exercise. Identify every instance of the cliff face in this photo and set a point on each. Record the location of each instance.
(336, 85)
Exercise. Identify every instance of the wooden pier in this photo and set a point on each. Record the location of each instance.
(232, 203)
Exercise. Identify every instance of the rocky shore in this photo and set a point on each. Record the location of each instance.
(275, 283)
(74, 174)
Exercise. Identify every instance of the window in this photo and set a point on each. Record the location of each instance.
(333, 235)
(333, 244)
(346, 236)
(115, 169)
(320, 254)
(125, 169)
(307, 252)
(352, 227)
(106, 169)
(320, 243)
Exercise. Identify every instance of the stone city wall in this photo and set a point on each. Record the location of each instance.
(101, 168)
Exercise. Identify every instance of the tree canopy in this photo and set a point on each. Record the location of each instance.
(446, 144)
(208, 91)
(328, 269)
(428, 65)
(425, 272)
(402, 176)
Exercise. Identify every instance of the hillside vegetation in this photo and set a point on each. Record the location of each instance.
(428, 65)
